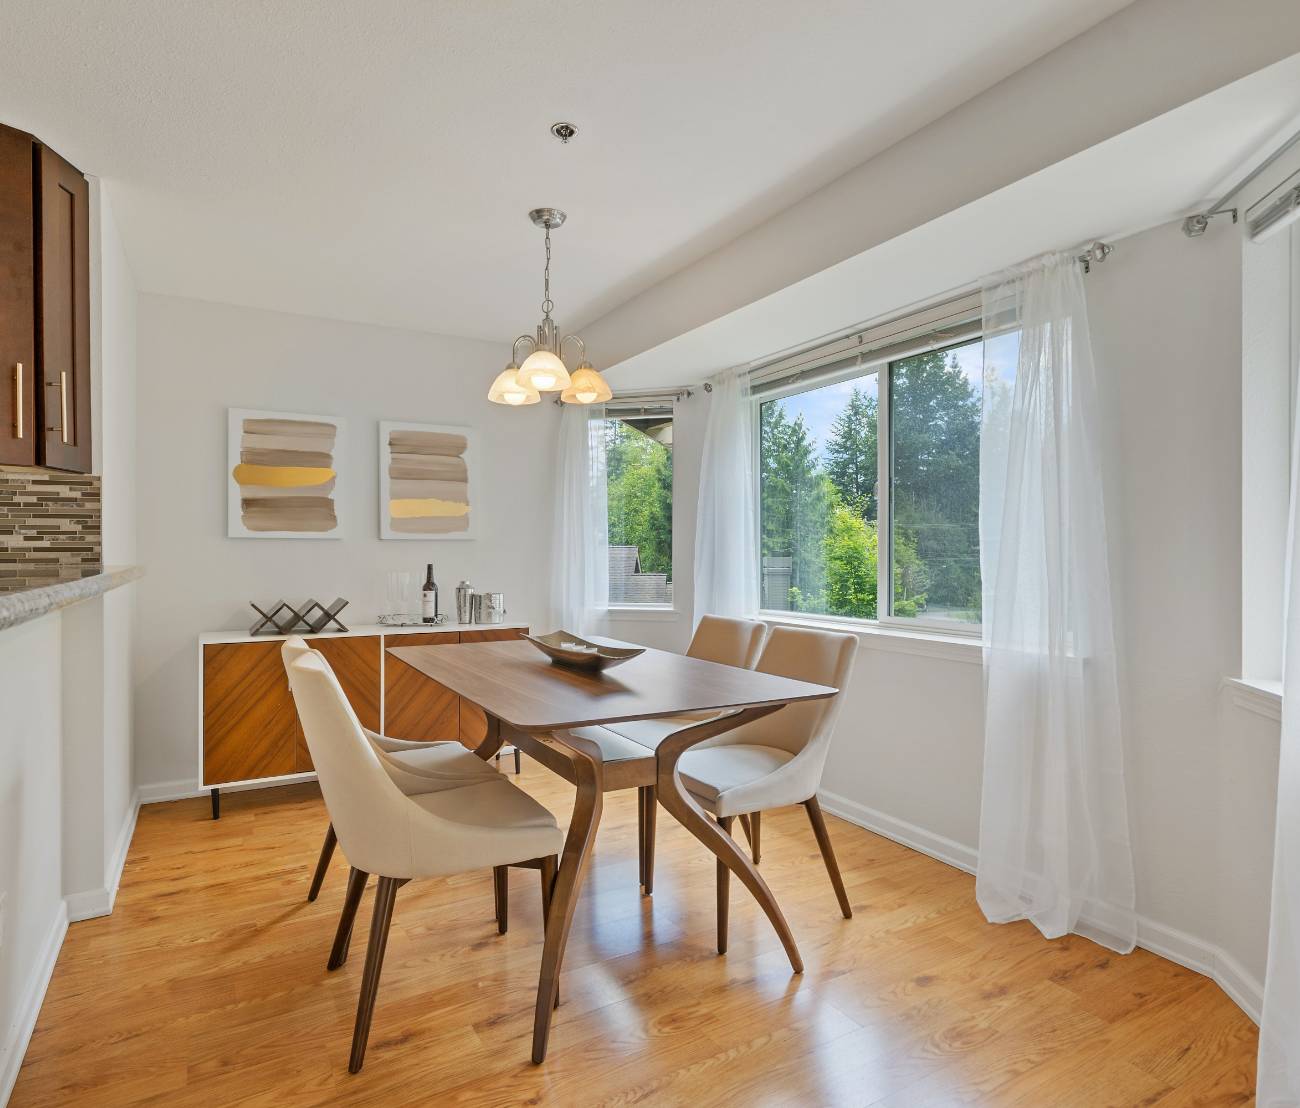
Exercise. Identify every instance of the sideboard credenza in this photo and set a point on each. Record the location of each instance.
(248, 726)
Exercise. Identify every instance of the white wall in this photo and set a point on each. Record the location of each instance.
(32, 917)
(197, 359)
(111, 618)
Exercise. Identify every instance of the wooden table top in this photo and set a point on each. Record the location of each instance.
(519, 685)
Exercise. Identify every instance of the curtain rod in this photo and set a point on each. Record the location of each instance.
(1196, 225)
(634, 399)
(1096, 253)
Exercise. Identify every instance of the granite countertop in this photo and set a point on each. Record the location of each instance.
(21, 604)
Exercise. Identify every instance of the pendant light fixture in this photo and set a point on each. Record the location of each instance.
(543, 370)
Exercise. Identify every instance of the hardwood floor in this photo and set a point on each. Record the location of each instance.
(207, 985)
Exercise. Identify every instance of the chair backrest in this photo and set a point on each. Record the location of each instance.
(368, 811)
(804, 654)
(732, 642)
(293, 648)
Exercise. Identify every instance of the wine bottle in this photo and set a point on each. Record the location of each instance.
(429, 597)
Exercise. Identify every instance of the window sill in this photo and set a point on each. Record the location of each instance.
(648, 612)
(1264, 698)
(874, 636)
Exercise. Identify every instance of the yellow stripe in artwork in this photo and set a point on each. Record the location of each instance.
(423, 507)
(282, 477)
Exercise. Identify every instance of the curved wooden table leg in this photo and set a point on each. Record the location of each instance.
(674, 797)
(493, 741)
(588, 771)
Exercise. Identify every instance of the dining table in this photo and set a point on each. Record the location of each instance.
(549, 711)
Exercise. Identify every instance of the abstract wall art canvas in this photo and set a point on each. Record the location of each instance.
(426, 481)
(282, 475)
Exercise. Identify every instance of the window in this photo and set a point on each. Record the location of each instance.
(825, 485)
(639, 468)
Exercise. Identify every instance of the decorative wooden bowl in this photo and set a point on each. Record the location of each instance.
(569, 650)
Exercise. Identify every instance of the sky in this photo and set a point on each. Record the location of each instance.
(819, 407)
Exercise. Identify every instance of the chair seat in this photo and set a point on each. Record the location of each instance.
(651, 732)
(436, 767)
(715, 770)
(497, 806)
(613, 746)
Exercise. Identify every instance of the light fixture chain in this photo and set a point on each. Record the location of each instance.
(546, 278)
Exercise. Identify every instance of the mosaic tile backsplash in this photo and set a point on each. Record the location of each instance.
(50, 528)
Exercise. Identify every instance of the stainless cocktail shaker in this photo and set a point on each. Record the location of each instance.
(464, 592)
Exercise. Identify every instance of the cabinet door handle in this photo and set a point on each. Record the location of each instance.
(18, 399)
(63, 403)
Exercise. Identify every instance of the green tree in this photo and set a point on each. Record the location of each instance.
(639, 479)
(850, 565)
(796, 503)
(935, 417)
(850, 455)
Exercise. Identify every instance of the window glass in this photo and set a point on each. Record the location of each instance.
(818, 472)
(639, 468)
(934, 419)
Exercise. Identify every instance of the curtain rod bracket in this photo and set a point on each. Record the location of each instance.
(1097, 253)
(1194, 226)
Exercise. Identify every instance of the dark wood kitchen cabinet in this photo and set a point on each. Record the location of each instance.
(44, 307)
(18, 431)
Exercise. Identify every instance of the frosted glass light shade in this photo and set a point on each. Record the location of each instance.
(506, 389)
(586, 386)
(544, 372)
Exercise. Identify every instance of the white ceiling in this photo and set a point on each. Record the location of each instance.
(374, 159)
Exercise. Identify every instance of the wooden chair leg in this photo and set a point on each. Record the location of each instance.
(323, 863)
(517, 762)
(755, 826)
(651, 812)
(501, 894)
(548, 867)
(640, 834)
(828, 854)
(385, 895)
(351, 899)
(724, 890)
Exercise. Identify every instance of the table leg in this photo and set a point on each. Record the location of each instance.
(674, 797)
(493, 741)
(588, 771)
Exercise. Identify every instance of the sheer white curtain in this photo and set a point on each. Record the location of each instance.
(726, 528)
(1054, 834)
(580, 534)
(1279, 1030)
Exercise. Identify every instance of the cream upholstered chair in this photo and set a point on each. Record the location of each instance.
(399, 837)
(774, 761)
(414, 767)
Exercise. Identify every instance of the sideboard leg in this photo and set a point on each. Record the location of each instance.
(216, 803)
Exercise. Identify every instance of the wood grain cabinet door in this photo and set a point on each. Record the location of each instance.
(415, 707)
(355, 662)
(18, 431)
(250, 723)
(473, 721)
(63, 312)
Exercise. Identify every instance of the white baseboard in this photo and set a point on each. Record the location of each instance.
(162, 791)
(99, 902)
(955, 854)
(1168, 942)
(19, 1034)
(1205, 958)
